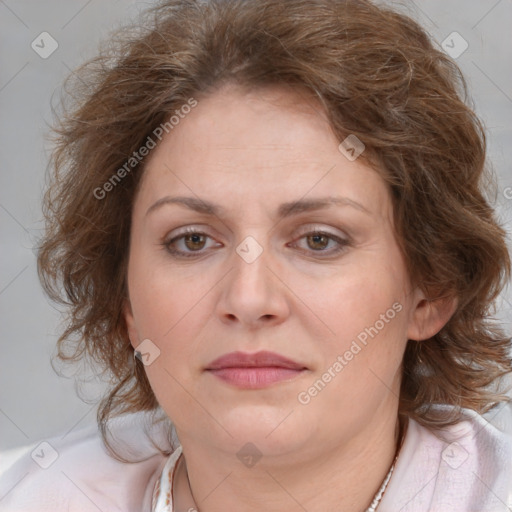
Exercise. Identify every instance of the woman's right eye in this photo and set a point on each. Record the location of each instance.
(188, 244)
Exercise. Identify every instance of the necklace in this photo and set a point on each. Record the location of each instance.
(168, 482)
(380, 493)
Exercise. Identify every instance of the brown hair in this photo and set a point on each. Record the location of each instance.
(379, 77)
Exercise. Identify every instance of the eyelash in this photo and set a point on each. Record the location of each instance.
(343, 243)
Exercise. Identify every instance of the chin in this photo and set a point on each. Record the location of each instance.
(273, 430)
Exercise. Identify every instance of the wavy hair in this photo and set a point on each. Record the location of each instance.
(378, 76)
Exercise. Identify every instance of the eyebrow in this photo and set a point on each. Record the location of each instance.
(284, 210)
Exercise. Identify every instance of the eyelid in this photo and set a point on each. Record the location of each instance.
(342, 239)
(303, 230)
(188, 229)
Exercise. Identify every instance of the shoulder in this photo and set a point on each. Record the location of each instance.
(463, 468)
(76, 472)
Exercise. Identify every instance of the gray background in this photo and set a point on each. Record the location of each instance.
(36, 403)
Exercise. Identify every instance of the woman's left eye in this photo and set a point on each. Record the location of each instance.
(193, 242)
(318, 241)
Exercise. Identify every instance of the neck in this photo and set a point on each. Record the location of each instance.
(345, 477)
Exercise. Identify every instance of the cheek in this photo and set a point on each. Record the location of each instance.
(361, 361)
(366, 315)
(170, 309)
(161, 299)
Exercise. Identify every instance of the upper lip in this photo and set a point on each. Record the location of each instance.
(256, 360)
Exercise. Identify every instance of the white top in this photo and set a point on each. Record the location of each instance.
(470, 470)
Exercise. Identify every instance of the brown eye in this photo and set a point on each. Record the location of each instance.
(322, 244)
(190, 244)
(318, 241)
(194, 241)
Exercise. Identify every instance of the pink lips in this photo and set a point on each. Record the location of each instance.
(254, 371)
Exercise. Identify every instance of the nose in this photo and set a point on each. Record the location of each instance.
(253, 292)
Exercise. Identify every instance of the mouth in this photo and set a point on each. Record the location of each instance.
(254, 371)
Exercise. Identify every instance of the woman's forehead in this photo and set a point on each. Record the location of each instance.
(258, 146)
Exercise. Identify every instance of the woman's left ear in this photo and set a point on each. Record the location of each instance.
(430, 315)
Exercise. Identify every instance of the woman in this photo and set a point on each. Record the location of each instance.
(268, 220)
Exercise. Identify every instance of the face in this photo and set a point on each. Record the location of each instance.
(255, 258)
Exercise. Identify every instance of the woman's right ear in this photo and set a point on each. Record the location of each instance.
(130, 323)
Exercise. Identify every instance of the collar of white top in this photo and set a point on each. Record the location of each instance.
(164, 486)
(162, 492)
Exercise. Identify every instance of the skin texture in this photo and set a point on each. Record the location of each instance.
(249, 152)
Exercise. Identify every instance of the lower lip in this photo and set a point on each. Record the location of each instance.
(255, 378)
